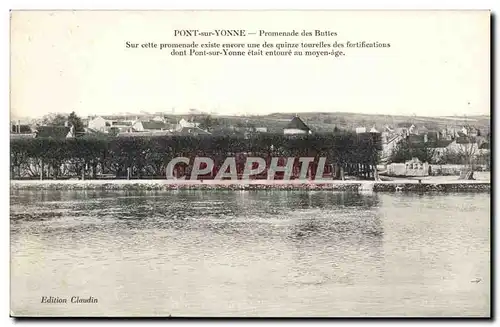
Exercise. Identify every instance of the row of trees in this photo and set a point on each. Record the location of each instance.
(149, 156)
(57, 119)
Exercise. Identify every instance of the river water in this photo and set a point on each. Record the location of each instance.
(250, 253)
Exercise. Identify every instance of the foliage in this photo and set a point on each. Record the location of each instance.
(60, 120)
(148, 156)
(404, 151)
(53, 119)
(76, 121)
(451, 157)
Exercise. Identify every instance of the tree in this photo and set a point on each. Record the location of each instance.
(54, 119)
(76, 121)
(468, 152)
(451, 157)
(404, 151)
(208, 123)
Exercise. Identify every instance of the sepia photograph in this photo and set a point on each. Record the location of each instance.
(250, 163)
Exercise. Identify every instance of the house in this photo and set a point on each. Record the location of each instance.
(98, 123)
(184, 123)
(360, 130)
(296, 127)
(146, 126)
(261, 129)
(373, 130)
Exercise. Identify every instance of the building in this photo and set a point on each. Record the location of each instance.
(148, 126)
(184, 123)
(297, 127)
(98, 124)
(360, 130)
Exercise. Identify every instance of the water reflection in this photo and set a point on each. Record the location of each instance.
(251, 252)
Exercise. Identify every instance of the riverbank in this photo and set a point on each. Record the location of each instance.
(330, 185)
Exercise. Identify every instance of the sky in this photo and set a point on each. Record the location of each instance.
(437, 63)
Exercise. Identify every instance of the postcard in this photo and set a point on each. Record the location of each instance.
(239, 163)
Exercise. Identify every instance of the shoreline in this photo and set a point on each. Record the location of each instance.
(406, 185)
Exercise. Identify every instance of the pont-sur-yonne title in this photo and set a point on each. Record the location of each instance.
(225, 33)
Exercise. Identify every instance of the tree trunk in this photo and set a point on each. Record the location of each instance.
(41, 169)
(376, 177)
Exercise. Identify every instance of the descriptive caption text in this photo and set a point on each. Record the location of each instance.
(329, 46)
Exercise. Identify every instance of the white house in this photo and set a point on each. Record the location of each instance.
(360, 130)
(98, 124)
(296, 127)
(184, 123)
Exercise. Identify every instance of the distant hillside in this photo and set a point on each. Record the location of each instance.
(322, 120)
(318, 121)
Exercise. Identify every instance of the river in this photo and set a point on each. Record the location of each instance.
(250, 253)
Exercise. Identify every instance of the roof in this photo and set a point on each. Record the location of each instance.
(56, 132)
(153, 125)
(297, 123)
(193, 131)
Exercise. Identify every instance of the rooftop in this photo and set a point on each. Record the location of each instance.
(297, 123)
